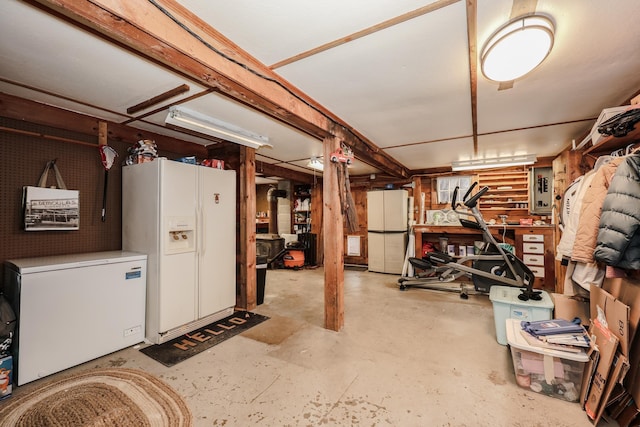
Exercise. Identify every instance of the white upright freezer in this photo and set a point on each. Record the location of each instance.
(74, 308)
(387, 224)
(183, 217)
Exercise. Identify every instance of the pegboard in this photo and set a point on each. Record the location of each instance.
(22, 160)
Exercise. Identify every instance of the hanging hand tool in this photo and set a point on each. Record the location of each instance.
(107, 155)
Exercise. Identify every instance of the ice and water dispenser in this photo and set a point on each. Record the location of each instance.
(180, 234)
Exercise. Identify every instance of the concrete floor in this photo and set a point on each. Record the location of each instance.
(412, 358)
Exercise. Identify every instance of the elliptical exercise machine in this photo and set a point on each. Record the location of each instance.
(493, 266)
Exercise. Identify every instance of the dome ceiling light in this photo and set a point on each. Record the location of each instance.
(517, 48)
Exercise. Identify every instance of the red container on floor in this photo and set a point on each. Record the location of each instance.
(294, 259)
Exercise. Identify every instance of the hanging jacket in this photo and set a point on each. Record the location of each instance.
(565, 246)
(618, 241)
(589, 222)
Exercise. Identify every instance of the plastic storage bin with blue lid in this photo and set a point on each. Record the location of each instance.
(507, 305)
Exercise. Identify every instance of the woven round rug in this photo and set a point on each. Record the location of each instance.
(100, 398)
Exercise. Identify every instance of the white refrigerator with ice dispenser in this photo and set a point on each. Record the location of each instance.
(387, 224)
(183, 216)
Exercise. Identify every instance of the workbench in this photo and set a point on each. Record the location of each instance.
(534, 245)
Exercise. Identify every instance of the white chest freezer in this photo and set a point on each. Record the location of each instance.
(74, 308)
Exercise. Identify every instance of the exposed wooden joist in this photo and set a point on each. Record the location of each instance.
(158, 98)
(167, 33)
(60, 96)
(34, 112)
(46, 136)
(472, 12)
(523, 7)
(269, 169)
(164, 107)
(367, 31)
(373, 156)
(588, 119)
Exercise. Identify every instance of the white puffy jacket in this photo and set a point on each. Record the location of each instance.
(573, 198)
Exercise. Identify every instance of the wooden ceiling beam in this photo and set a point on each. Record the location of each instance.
(167, 33)
(439, 4)
(30, 111)
(158, 99)
(269, 169)
(472, 12)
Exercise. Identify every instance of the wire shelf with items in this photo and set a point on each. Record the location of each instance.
(301, 209)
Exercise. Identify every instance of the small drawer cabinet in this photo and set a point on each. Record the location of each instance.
(534, 246)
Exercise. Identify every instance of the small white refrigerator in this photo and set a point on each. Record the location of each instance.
(183, 216)
(387, 224)
(74, 308)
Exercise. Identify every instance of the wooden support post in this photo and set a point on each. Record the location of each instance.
(247, 300)
(417, 200)
(417, 214)
(316, 220)
(273, 213)
(102, 133)
(333, 228)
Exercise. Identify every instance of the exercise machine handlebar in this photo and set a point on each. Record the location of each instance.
(474, 199)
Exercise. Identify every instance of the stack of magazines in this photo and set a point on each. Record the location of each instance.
(559, 334)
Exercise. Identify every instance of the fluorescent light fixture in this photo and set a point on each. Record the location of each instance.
(498, 162)
(192, 120)
(316, 163)
(517, 48)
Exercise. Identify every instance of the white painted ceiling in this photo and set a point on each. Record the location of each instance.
(406, 88)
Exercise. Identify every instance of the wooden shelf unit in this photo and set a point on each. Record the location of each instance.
(611, 143)
(515, 198)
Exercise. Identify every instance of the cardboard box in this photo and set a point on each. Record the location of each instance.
(569, 307)
(613, 363)
(554, 373)
(618, 400)
(6, 376)
(618, 371)
(607, 344)
(507, 305)
(615, 312)
(589, 372)
(627, 290)
(628, 414)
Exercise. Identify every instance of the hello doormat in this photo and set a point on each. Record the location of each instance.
(195, 342)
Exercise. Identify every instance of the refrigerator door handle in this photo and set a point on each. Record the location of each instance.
(198, 228)
(203, 234)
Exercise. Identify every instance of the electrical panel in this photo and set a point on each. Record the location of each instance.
(541, 190)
